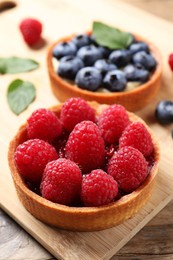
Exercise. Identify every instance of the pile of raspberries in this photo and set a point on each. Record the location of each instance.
(81, 158)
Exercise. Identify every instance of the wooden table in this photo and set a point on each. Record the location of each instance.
(154, 241)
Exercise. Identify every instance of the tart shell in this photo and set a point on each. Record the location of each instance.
(132, 100)
(82, 218)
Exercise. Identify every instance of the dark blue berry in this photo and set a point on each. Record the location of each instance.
(89, 54)
(88, 78)
(115, 81)
(69, 66)
(104, 66)
(144, 59)
(164, 112)
(64, 49)
(81, 40)
(139, 46)
(120, 57)
(133, 73)
(105, 51)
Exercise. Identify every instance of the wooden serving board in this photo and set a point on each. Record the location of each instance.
(60, 18)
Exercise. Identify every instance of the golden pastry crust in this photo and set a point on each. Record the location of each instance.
(132, 100)
(82, 218)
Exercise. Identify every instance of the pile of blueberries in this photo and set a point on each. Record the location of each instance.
(92, 66)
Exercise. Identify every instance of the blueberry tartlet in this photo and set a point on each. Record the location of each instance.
(106, 65)
(71, 172)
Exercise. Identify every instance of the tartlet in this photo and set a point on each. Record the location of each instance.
(82, 218)
(132, 100)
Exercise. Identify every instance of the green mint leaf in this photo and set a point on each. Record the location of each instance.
(2, 67)
(19, 95)
(110, 37)
(14, 65)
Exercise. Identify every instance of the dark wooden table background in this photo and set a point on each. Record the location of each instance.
(153, 242)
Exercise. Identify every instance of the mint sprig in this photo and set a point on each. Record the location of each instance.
(19, 95)
(110, 37)
(12, 65)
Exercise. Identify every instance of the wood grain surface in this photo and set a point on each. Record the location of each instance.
(155, 241)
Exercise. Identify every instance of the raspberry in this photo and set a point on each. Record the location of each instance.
(128, 167)
(98, 188)
(137, 136)
(31, 30)
(74, 111)
(61, 181)
(112, 122)
(170, 61)
(85, 146)
(31, 158)
(44, 124)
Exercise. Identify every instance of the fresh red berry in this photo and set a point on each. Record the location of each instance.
(170, 61)
(74, 111)
(128, 167)
(98, 188)
(31, 30)
(44, 124)
(137, 136)
(112, 122)
(31, 158)
(85, 146)
(61, 181)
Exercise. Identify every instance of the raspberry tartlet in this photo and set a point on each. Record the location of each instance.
(89, 182)
(119, 77)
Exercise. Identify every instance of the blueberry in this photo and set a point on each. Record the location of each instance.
(89, 54)
(139, 46)
(105, 51)
(164, 112)
(120, 57)
(104, 66)
(144, 59)
(69, 66)
(88, 78)
(81, 40)
(141, 75)
(64, 49)
(115, 81)
(133, 73)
